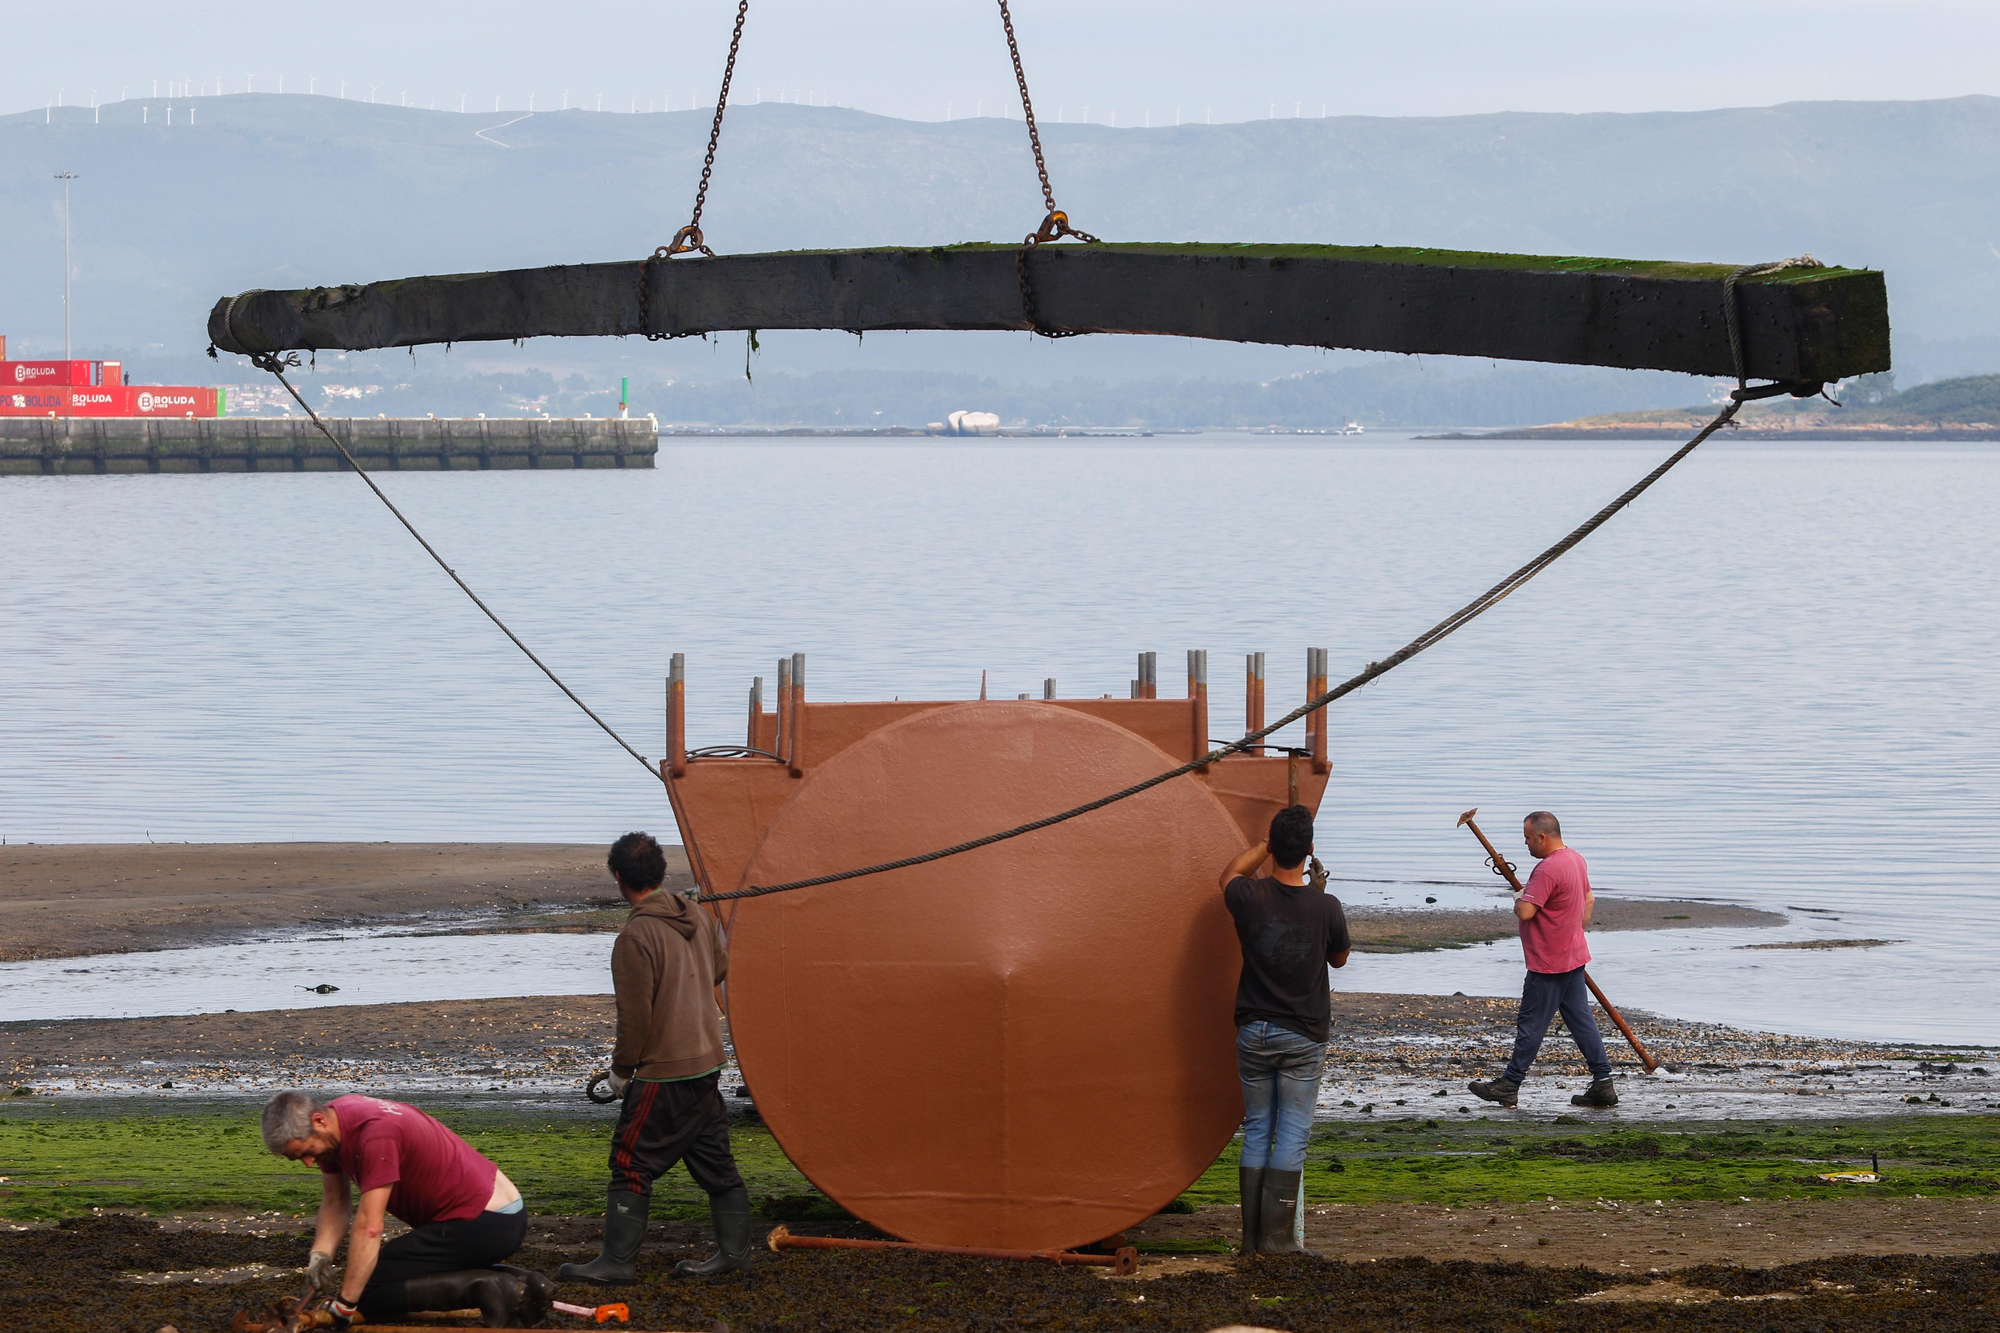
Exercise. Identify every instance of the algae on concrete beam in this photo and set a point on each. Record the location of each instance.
(1801, 325)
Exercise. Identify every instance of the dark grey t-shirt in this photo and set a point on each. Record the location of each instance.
(1289, 934)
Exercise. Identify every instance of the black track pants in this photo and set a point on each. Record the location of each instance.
(664, 1123)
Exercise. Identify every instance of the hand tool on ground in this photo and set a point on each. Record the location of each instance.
(1504, 868)
(600, 1313)
(619, 1312)
(287, 1314)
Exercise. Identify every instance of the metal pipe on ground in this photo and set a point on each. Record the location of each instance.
(1123, 1262)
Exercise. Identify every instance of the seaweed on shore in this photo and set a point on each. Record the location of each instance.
(53, 1278)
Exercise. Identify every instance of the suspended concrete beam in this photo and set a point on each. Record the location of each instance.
(1799, 325)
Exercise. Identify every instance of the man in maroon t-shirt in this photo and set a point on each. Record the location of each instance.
(464, 1215)
(1554, 907)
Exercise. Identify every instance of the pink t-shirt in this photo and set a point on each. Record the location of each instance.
(433, 1175)
(1552, 938)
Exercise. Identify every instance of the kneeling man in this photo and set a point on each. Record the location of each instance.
(464, 1215)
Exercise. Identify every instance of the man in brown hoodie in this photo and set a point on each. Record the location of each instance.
(667, 1065)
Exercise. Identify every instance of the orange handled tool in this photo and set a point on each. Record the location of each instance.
(600, 1313)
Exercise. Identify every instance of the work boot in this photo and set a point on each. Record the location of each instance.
(731, 1212)
(624, 1228)
(1601, 1093)
(538, 1293)
(1503, 1090)
(1279, 1208)
(498, 1296)
(1250, 1186)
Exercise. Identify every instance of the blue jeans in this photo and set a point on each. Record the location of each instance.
(1541, 996)
(1280, 1072)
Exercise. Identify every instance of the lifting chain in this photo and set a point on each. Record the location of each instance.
(689, 238)
(1055, 225)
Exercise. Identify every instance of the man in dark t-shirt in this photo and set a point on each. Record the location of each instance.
(1291, 931)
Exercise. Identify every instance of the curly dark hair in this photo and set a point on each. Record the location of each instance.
(638, 862)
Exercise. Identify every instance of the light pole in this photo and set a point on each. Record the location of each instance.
(66, 177)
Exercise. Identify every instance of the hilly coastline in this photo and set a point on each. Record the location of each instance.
(1871, 408)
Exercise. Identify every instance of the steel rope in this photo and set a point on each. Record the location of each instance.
(1451, 624)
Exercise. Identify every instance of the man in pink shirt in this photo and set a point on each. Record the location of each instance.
(1554, 907)
(464, 1215)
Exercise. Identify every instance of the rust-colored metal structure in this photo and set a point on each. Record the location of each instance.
(1026, 1047)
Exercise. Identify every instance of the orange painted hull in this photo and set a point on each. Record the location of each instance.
(1025, 1047)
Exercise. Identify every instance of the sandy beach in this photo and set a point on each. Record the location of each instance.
(66, 900)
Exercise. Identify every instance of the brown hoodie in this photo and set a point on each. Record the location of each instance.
(664, 967)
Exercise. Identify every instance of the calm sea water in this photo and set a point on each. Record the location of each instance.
(1775, 681)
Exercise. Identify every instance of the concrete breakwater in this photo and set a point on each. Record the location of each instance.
(82, 445)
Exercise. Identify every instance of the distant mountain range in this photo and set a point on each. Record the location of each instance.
(278, 191)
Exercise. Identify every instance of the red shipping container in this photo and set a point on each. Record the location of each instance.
(44, 402)
(43, 374)
(146, 400)
(96, 402)
(166, 400)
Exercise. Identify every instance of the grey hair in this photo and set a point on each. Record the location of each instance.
(288, 1116)
(1545, 824)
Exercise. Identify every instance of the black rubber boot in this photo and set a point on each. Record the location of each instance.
(538, 1292)
(731, 1212)
(1601, 1093)
(1250, 1186)
(498, 1296)
(1282, 1196)
(616, 1264)
(1503, 1090)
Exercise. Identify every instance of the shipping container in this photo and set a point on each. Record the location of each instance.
(144, 400)
(41, 374)
(52, 401)
(96, 402)
(168, 400)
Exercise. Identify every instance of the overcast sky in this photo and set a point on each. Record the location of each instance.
(1130, 59)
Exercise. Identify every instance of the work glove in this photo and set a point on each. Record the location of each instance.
(617, 1084)
(318, 1268)
(341, 1313)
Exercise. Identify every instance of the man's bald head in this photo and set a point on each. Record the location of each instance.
(1544, 823)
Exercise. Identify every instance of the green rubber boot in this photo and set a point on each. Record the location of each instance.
(1250, 1186)
(616, 1264)
(499, 1297)
(1283, 1210)
(731, 1211)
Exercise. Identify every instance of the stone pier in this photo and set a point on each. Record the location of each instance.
(72, 445)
